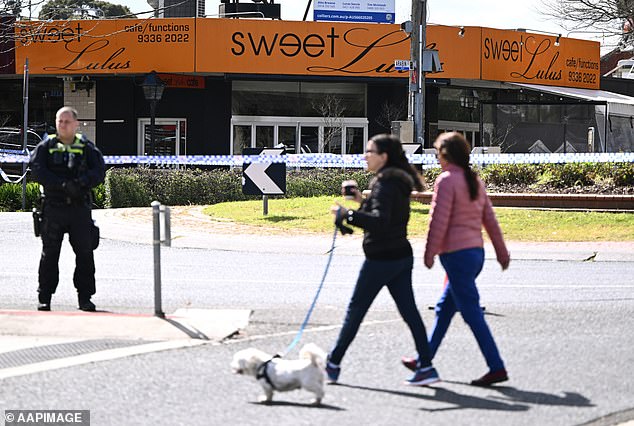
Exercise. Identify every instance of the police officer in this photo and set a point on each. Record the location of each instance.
(68, 166)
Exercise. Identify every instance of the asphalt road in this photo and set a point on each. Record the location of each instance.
(564, 327)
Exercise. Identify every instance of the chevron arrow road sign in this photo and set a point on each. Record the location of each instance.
(263, 178)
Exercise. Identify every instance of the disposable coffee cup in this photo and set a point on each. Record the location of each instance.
(348, 189)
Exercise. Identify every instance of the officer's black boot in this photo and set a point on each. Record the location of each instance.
(44, 302)
(86, 305)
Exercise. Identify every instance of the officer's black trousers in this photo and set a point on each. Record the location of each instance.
(76, 220)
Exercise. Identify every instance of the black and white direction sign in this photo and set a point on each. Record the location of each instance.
(263, 178)
(412, 148)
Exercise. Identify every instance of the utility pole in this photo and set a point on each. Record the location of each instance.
(417, 76)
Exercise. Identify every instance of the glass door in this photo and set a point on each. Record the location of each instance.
(347, 136)
(471, 131)
(287, 136)
(355, 140)
(241, 139)
(170, 137)
(264, 136)
(309, 139)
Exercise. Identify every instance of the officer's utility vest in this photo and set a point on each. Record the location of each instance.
(64, 160)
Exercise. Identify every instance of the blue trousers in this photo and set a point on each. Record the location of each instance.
(461, 294)
(397, 276)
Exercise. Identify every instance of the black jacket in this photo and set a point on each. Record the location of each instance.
(384, 215)
(53, 163)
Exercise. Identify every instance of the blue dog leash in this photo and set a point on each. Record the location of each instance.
(298, 336)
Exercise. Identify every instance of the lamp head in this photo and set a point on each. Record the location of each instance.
(153, 87)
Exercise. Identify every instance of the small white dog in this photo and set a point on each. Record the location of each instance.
(278, 374)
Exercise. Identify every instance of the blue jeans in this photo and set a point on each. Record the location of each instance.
(461, 294)
(397, 276)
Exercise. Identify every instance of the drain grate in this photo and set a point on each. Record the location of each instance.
(61, 350)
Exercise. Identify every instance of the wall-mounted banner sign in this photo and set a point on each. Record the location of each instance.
(274, 47)
(246, 46)
(354, 11)
(520, 57)
(105, 46)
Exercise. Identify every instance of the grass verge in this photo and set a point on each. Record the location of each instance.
(313, 215)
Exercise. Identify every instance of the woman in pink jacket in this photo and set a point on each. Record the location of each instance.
(459, 209)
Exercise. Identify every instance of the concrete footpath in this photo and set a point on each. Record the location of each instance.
(203, 324)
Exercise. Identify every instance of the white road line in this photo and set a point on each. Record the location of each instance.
(307, 330)
(106, 355)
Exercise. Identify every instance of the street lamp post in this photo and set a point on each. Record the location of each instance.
(153, 91)
(417, 82)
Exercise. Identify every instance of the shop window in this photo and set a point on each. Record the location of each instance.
(294, 99)
(241, 138)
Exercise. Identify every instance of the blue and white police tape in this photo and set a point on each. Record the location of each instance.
(344, 161)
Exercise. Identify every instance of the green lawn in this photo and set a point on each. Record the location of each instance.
(313, 215)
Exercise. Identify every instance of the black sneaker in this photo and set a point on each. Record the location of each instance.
(87, 306)
(44, 307)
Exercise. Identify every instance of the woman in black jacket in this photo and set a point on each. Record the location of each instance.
(388, 254)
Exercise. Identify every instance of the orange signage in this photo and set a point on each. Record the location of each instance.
(106, 46)
(273, 47)
(458, 50)
(300, 48)
(521, 57)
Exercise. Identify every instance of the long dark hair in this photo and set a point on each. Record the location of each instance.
(391, 145)
(455, 149)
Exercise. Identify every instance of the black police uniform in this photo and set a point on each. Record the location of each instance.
(67, 173)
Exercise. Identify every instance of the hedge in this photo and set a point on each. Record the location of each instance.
(139, 186)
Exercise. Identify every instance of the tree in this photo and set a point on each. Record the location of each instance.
(10, 7)
(390, 112)
(609, 17)
(331, 108)
(83, 9)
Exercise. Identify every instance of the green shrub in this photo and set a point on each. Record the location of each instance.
(125, 189)
(130, 187)
(99, 196)
(513, 174)
(11, 196)
(430, 176)
(568, 175)
(139, 186)
(622, 173)
(316, 182)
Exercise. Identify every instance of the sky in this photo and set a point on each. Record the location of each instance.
(502, 14)
(485, 13)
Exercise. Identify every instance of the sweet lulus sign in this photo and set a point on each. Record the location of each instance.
(270, 47)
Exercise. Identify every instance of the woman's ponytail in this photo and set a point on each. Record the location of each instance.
(455, 149)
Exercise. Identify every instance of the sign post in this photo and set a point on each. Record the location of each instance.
(264, 178)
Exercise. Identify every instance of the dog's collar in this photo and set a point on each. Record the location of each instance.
(262, 373)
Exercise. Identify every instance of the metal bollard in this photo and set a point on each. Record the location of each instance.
(159, 211)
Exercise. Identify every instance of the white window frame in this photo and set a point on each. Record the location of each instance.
(141, 122)
(276, 122)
